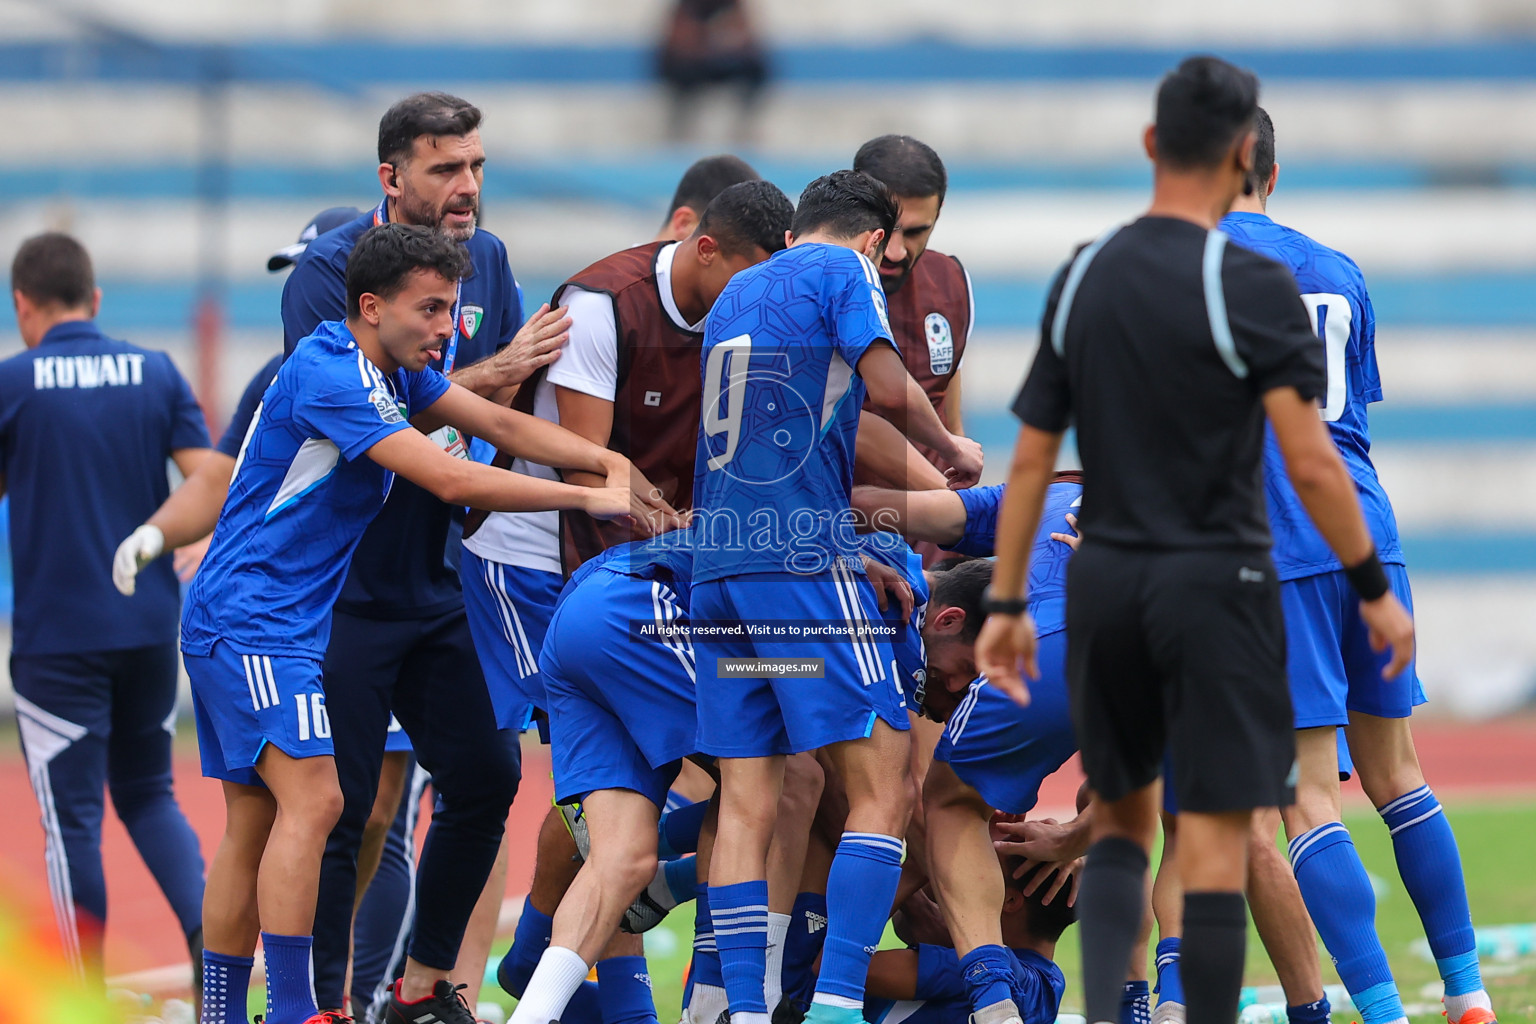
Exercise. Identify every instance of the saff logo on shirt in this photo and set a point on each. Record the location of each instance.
(389, 411)
(941, 343)
(470, 319)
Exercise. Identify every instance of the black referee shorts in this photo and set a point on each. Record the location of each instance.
(1183, 649)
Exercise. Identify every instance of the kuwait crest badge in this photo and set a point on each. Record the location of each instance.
(470, 318)
(941, 344)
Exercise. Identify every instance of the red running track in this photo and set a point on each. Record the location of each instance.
(1486, 760)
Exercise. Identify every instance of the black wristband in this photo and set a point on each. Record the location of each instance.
(1368, 578)
(1004, 605)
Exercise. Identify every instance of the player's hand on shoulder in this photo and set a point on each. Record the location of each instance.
(888, 584)
(1005, 645)
(964, 469)
(141, 547)
(537, 343)
(1391, 627)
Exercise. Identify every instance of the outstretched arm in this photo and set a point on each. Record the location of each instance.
(935, 516)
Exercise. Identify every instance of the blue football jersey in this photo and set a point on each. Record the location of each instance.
(1048, 558)
(668, 557)
(1335, 295)
(780, 411)
(301, 497)
(907, 646)
(1037, 987)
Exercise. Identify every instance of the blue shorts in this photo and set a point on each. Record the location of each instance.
(755, 716)
(621, 709)
(1004, 751)
(509, 609)
(242, 702)
(396, 741)
(1332, 668)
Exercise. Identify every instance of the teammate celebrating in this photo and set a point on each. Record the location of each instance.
(1173, 607)
(258, 613)
(928, 293)
(86, 426)
(789, 350)
(401, 639)
(1335, 675)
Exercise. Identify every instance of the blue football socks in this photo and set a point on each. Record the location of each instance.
(677, 832)
(517, 966)
(290, 981)
(1136, 1004)
(1170, 983)
(226, 983)
(1310, 1013)
(739, 913)
(860, 887)
(988, 973)
(802, 945)
(1339, 897)
(1430, 866)
(624, 991)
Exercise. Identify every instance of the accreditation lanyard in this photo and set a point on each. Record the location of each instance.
(451, 350)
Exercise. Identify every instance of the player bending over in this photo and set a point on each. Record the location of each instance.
(258, 613)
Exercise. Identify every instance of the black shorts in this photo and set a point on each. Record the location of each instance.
(1184, 649)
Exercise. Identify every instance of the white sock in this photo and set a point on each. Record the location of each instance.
(1455, 1006)
(773, 977)
(707, 1003)
(749, 1018)
(557, 977)
(840, 1002)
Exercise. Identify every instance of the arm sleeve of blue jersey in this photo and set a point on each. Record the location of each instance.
(352, 414)
(1370, 373)
(423, 388)
(513, 317)
(856, 309)
(1045, 399)
(1270, 326)
(240, 423)
(980, 536)
(938, 973)
(315, 292)
(189, 428)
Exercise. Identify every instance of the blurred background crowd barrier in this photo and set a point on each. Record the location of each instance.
(184, 140)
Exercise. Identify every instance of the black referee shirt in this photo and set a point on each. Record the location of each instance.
(1167, 339)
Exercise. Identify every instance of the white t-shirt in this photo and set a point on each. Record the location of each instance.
(589, 363)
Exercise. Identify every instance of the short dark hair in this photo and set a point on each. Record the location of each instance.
(54, 269)
(387, 254)
(1043, 920)
(707, 178)
(1263, 150)
(425, 113)
(748, 216)
(963, 586)
(1202, 106)
(845, 204)
(908, 167)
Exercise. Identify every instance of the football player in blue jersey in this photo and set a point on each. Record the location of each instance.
(926, 984)
(790, 348)
(1336, 675)
(258, 613)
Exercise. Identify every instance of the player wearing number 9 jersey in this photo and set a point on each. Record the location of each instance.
(791, 347)
(1335, 676)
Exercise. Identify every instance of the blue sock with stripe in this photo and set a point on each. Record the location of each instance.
(682, 877)
(1430, 866)
(516, 968)
(740, 916)
(1339, 897)
(290, 978)
(706, 957)
(678, 830)
(807, 934)
(1170, 982)
(624, 990)
(226, 983)
(988, 974)
(1136, 1004)
(860, 888)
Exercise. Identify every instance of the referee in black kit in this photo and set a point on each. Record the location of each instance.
(1167, 347)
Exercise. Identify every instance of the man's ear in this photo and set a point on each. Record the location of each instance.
(368, 308)
(709, 250)
(1013, 900)
(95, 302)
(1149, 142)
(947, 621)
(389, 180)
(875, 245)
(684, 220)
